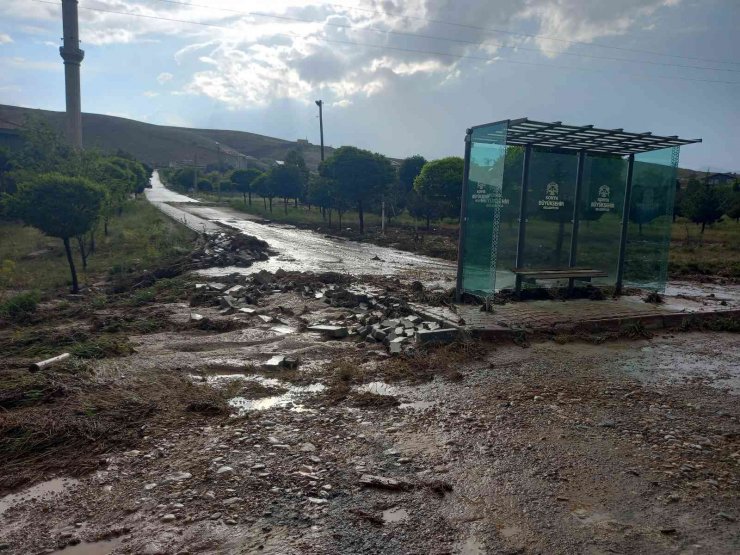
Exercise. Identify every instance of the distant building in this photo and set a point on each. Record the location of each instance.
(303, 142)
(721, 178)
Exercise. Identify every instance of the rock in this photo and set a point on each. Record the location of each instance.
(196, 317)
(443, 335)
(169, 518)
(232, 500)
(150, 486)
(727, 516)
(215, 516)
(396, 345)
(607, 424)
(318, 500)
(225, 470)
(178, 477)
(307, 447)
(335, 332)
(382, 482)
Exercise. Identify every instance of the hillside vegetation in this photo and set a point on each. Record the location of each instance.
(158, 145)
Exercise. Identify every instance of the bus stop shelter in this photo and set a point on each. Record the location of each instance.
(550, 204)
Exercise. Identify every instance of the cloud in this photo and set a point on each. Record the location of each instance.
(150, 94)
(5, 38)
(240, 56)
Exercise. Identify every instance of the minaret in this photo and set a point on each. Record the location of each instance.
(72, 56)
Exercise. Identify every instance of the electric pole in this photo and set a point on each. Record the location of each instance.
(72, 56)
(320, 104)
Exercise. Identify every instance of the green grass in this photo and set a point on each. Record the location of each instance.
(716, 253)
(141, 238)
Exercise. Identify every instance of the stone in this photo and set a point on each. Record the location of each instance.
(317, 500)
(275, 363)
(169, 518)
(368, 480)
(307, 447)
(335, 332)
(225, 470)
(395, 345)
(246, 310)
(215, 516)
(266, 319)
(178, 477)
(235, 291)
(232, 500)
(196, 317)
(442, 335)
(727, 516)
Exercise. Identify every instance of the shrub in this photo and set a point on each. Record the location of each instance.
(19, 308)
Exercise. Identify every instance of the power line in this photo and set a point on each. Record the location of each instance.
(399, 49)
(447, 39)
(531, 35)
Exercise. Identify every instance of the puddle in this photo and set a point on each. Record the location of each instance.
(92, 548)
(395, 514)
(44, 489)
(417, 405)
(378, 388)
(288, 398)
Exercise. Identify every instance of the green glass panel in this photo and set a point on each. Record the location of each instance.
(483, 209)
(550, 195)
(600, 215)
(650, 219)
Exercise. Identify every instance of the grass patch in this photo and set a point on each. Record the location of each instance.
(19, 308)
(141, 238)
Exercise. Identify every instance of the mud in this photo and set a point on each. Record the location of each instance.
(574, 448)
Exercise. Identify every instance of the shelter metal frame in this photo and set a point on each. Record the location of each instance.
(579, 139)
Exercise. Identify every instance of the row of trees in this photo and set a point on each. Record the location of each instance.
(351, 179)
(66, 193)
(706, 204)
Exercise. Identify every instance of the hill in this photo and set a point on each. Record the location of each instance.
(161, 145)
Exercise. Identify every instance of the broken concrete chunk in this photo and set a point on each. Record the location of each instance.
(280, 361)
(235, 291)
(336, 332)
(266, 319)
(196, 317)
(396, 344)
(227, 301)
(247, 310)
(390, 323)
(216, 286)
(443, 335)
(414, 319)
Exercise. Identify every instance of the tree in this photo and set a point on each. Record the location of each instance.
(361, 177)
(408, 170)
(703, 204)
(733, 206)
(59, 206)
(286, 182)
(261, 185)
(295, 158)
(440, 185)
(6, 165)
(243, 180)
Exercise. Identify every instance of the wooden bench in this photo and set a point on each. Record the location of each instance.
(584, 274)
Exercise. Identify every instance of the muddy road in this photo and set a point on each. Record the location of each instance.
(303, 250)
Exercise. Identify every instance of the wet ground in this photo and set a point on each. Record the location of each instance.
(622, 447)
(302, 250)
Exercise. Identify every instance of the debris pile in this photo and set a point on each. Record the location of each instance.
(372, 314)
(229, 249)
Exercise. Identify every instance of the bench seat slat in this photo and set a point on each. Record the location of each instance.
(555, 274)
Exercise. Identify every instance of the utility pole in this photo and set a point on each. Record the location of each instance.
(72, 56)
(320, 104)
(195, 172)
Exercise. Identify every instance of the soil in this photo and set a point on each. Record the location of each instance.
(622, 447)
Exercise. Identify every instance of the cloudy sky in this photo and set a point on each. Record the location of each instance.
(397, 76)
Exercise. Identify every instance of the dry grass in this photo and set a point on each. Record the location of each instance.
(63, 420)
